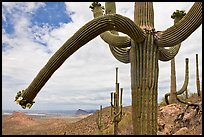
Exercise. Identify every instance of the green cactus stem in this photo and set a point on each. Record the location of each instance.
(197, 76)
(177, 16)
(116, 111)
(81, 37)
(116, 106)
(185, 84)
(172, 97)
(170, 53)
(116, 43)
(99, 120)
(140, 48)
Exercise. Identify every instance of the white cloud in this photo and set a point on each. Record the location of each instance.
(88, 76)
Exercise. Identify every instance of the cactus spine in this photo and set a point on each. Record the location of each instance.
(197, 76)
(140, 48)
(99, 120)
(116, 106)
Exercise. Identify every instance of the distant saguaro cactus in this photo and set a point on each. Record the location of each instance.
(116, 106)
(143, 47)
(197, 76)
(99, 120)
(185, 84)
(172, 96)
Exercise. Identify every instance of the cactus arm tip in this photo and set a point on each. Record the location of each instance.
(94, 4)
(166, 98)
(21, 101)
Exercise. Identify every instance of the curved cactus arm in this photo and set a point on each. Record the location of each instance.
(120, 53)
(111, 39)
(166, 98)
(183, 29)
(86, 33)
(118, 114)
(115, 41)
(185, 84)
(168, 54)
(111, 103)
(120, 41)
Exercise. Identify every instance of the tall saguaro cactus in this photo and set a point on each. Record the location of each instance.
(197, 76)
(116, 106)
(99, 120)
(185, 84)
(143, 47)
(172, 96)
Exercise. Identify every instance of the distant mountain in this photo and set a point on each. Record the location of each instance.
(82, 112)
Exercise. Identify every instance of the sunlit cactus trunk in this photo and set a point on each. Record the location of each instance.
(144, 74)
(197, 76)
(144, 81)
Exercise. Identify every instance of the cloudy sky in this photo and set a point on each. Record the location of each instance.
(32, 32)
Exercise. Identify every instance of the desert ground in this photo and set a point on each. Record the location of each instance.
(168, 123)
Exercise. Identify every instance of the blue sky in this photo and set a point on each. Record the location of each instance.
(32, 32)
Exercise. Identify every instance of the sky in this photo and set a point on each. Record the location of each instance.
(33, 31)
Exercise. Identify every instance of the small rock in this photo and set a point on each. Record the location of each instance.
(181, 131)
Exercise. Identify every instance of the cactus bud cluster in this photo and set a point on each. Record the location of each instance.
(21, 101)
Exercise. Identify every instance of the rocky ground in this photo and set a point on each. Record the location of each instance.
(172, 120)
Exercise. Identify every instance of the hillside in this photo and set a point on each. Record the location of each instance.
(81, 112)
(191, 123)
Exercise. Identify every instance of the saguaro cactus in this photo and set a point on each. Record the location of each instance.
(143, 47)
(172, 97)
(177, 16)
(197, 76)
(116, 106)
(185, 84)
(99, 120)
